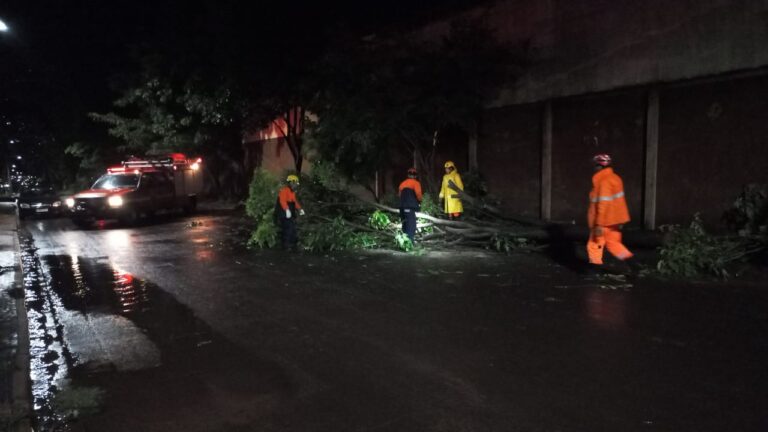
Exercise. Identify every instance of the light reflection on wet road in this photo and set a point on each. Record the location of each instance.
(186, 333)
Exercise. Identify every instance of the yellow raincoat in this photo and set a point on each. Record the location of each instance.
(452, 200)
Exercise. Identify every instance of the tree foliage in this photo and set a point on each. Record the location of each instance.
(162, 111)
(691, 251)
(384, 96)
(262, 194)
(749, 214)
(159, 114)
(260, 207)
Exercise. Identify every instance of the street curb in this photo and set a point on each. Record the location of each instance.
(21, 390)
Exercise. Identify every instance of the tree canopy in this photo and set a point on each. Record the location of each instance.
(373, 98)
(386, 95)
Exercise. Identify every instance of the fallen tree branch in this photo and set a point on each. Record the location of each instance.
(491, 210)
(348, 223)
(421, 215)
(486, 228)
(518, 228)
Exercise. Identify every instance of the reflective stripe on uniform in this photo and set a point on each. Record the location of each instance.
(607, 198)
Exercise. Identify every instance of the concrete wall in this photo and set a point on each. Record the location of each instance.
(582, 127)
(509, 157)
(713, 140)
(584, 46)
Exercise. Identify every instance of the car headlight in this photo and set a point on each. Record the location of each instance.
(56, 204)
(70, 202)
(115, 201)
(23, 205)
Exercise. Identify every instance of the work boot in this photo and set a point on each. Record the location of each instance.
(633, 266)
(594, 270)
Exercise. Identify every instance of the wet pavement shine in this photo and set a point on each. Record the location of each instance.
(182, 331)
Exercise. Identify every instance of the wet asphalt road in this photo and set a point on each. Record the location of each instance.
(186, 333)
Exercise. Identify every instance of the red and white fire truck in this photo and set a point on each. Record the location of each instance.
(140, 187)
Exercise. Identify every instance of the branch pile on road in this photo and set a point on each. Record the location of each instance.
(692, 250)
(339, 220)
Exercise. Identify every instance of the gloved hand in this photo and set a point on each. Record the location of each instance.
(301, 212)
(287, 213)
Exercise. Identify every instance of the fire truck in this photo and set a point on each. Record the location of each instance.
(140, 187)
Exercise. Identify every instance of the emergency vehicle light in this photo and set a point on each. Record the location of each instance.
(174, 160)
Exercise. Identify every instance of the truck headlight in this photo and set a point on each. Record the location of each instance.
(115, 201)
(70, 202)
(56, 204)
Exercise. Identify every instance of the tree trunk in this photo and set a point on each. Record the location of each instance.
(299, 158)
(426, 162)
(293, 137)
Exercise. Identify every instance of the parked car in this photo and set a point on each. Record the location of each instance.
(39, 201)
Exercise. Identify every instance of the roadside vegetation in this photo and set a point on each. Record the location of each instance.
(691, 250)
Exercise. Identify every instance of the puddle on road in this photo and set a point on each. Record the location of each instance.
(79, 283)
(50, 359)
(87, 317)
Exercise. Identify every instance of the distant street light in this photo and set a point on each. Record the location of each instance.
(3, 27)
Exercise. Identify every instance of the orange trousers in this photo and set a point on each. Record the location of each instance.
(611, 240)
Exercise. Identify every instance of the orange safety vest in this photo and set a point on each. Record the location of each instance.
(287, 196)
(607, 204)
(414, 184)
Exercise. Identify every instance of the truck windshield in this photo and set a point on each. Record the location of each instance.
(112, 181)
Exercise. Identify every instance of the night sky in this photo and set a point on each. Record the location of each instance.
(78, 46)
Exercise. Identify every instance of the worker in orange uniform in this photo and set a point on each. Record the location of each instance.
(452, 203)
(287, 208)
(410, 202)
(607, 213)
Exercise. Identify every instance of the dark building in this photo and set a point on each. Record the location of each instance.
(676, 91)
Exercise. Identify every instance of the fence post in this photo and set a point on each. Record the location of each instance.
(546, 163)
